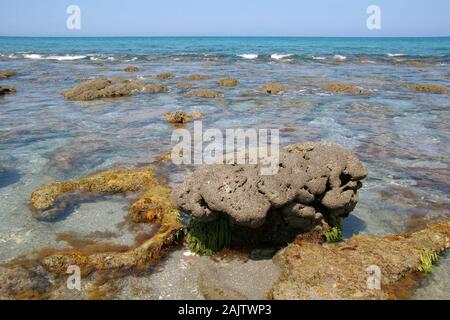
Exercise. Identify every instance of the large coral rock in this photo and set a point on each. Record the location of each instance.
(313, 271)
(315, 182)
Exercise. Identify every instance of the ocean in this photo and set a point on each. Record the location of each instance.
(403, 136)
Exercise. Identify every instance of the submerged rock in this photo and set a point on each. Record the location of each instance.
(194, 77)
(152, 206)
(274, 88)
(429, 88)
(181, 117)
(23, 284)
(205, 94)
(228, 82)
(184, 86)
(7, 74)
(6, 90)
(165, 76)
(317, 271)
(131, 69)
(344, 88)
(155, 88)
(416, 64)
(101, 88)
(316, 185)
(111, 182)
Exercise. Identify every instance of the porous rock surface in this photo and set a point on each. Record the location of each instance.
(316, 182)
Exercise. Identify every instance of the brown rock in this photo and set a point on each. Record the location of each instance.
(155, 88)
(102, 88)
(184, 86)
(274, 88)
(197, 77)
(112, 182)
(181, 117)
(131, 69)
(205, 94)
(7, 74)
(317, 271)
(228, 82)
(429, 88)
(6, 90)
(344, 88)
(165, 76)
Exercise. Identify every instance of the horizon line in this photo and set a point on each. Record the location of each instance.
(214, 36)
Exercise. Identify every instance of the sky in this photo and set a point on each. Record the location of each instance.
(225, 18)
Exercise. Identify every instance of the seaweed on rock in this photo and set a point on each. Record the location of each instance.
(153, 206)
(208, 238)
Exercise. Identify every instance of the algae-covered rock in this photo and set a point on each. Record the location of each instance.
(7, 74)
(194, 77)
(23, 284)
(416, 64)
(344, 88)
(205, 94)
(111, 182)
(165, 76)
(101, 88)
(349, 270)
(316, 184)
(131, 69)
(429, 88)
(184, 86)
(155, 88)
(228, 82)
(152, 206)
(181, 117)
(6, 90)
(274, 88)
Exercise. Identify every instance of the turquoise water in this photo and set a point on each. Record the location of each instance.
(402, 136)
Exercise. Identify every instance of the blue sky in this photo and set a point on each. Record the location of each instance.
(225, 18)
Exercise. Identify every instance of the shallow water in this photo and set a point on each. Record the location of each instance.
(402, 136)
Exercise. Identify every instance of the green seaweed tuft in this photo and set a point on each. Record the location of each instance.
(208, 238)
(427, 259)
(336, 234)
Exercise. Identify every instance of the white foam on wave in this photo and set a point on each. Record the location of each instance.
(340, 57)
(33, 56)
(250, 56)
(318, 58)
(392, 55)
(65, 58)
(95, 57)
(277, 56)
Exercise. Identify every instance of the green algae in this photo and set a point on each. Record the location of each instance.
(208, 238)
